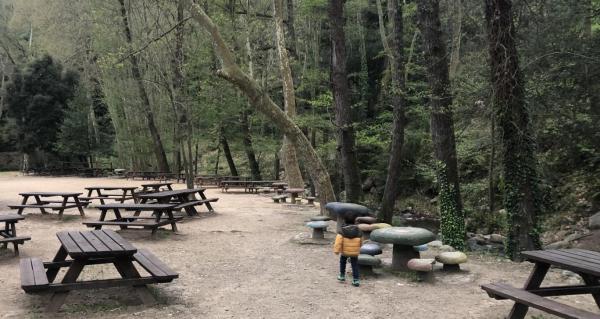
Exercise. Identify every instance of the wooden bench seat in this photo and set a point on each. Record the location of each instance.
(521, 296)
(33, 275)
(19, 240)
(278, 198)
(195, 203)
(50, 206)
(154, 266)
(149, 224)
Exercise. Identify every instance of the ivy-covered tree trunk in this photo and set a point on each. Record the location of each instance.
(341, 100)
(263, 103)
(521, 194)
(157, 146)
(442, 124)
(395, 51)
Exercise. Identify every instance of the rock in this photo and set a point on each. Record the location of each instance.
(435, 244)
(473, 245)
(409, 236)
(317, 224)
(420, 247)
(320, 218)
(446, 248)
(497, 238)
(366, 220)
(558, 245)
(368, 260)
(480, 239)
(420, 264)
(470, 234)
(371, 249)
(452, 258)
(573, 237)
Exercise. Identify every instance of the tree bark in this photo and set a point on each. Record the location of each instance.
(263, 103)
(442, 124)
(395, 52)
(341, 98)
(521, 194)
(157, 146)
(227, 152)
(290, 159)
(291, 26)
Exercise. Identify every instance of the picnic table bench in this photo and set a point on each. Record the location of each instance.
(9, 234)
(91, 248)
(183, 198)
(586, 263)
(102, 195)
(248, 186)
(59, 205)
(124, 222)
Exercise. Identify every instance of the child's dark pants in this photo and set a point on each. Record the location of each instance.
(353, 262)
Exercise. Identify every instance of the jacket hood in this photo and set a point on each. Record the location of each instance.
(350, 231)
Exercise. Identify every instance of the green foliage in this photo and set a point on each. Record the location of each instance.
(452, 220)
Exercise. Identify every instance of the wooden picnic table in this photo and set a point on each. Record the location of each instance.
(91, 248)
(108, 192)
(248, 186)
(124, 222)
(9, 233)
(156, 187)
(183, 198)
(585, 263)
(49, 203)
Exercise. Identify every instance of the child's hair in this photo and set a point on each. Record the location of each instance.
(349, 218)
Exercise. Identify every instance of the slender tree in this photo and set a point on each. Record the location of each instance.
(442, 124)
(341, 99)
(157, 146)
(397, 65)
(521, 194)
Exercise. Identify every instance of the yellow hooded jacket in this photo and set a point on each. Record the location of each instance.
(348, 242)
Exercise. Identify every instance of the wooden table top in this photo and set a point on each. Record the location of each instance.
(11, 218)
(49, 194)
(172, 193)
(576, 260)
(95, 243)
(144, 207)
(108, 188)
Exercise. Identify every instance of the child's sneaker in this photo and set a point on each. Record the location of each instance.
(355, 282)
(341, 278)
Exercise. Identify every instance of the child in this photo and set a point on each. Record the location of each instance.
(348, 243)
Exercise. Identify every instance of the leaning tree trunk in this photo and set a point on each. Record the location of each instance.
(227, 152)
(341, 99)
(157, 146)
(263, 103)
(442, 125)
(290, 159)
(396, 56)
(521, 194)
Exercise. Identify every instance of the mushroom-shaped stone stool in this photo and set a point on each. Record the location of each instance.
(370, 248)
(423, 267)
(319, 228)
(311, 200)
(403, 239)
(421, 248)
(338, 210)
(298, 201)
(320, 218)
(366, 264)
(366, 229)
(451, 260)
(366, 220)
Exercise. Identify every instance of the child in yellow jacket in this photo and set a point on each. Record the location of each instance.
(348, 243)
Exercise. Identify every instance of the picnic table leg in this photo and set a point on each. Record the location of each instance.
(58, 298)
(208, 205)
(534, 281)
(190, 210)
(38, 200)
(61, 255)
(119, 217)
(100, 196)
(127, 270)
(78, 203)
(169, 214)
(591, 281)
(64, 204)
(7, 233)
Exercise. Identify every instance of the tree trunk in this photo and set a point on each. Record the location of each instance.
(290, 159)
(521, 194)
(341, 98)
(263, 103)
(396, 56)
(276, 167)
(456, 39)
(290, 26)
(157, 146)
(442, 125)
(227, 153)
(217, 161)
(491, 172)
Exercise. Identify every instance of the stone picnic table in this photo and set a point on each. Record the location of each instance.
(51, 203)
(124, 222)
(92, 248)
(9, 233)
(116, 193)
(404, 239)
(183, 198)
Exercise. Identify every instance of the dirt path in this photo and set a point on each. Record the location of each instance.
(241, 263)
